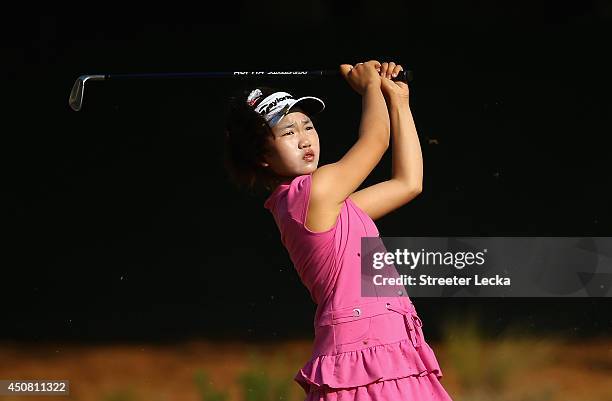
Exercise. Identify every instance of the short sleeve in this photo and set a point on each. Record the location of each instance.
(298, 199)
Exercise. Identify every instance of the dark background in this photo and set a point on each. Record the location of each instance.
(120, 223)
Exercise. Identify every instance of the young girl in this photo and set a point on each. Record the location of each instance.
(365, 348)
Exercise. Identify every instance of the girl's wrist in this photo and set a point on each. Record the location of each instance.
(399, 102)
(372, 86)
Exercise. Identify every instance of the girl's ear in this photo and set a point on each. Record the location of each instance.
(263, 156)
(262, 161)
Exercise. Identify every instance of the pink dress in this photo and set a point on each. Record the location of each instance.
(365, 348)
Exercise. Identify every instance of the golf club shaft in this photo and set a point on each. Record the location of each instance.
(212, 74)
(78, 89)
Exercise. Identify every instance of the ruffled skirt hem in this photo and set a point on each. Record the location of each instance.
(368, 365)
(426, 387)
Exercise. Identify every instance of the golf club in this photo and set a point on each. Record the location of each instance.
(78, 89)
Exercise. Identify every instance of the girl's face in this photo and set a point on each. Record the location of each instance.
(294, 137)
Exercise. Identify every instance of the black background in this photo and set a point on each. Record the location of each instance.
(121, 224)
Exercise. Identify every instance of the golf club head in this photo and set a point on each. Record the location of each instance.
(76, 94)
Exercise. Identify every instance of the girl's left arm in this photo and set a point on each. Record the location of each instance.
(407, 166)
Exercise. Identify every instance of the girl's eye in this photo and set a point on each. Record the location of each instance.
(291, 132)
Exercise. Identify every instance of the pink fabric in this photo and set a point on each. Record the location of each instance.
(376, 353)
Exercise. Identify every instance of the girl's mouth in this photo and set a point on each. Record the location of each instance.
(309, 157)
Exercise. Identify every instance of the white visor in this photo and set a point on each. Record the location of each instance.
(275, 106)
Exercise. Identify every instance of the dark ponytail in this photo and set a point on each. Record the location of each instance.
(246, 141)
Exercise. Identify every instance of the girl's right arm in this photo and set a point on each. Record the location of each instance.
(333, 183)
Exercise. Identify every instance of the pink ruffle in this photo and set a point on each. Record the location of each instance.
(421, 388)
(368, 365)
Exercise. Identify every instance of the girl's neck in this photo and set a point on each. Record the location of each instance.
(279, 181)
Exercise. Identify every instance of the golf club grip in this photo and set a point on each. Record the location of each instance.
(404, 76)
